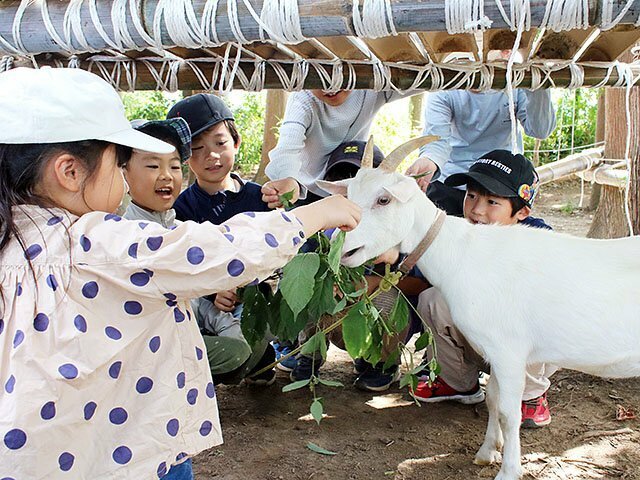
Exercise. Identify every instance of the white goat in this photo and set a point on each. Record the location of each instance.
(519, 295)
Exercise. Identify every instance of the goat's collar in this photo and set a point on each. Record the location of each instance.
(411, 260)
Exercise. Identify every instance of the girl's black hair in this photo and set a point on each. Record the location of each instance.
(22, 167)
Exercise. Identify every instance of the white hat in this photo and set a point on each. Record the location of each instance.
(52, 105)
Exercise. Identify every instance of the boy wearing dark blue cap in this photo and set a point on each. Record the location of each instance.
(501, 188)
(217, 194)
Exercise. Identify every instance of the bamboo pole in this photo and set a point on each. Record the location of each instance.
(318, 18)
(402, 78)
(606, 176)
(569, 165)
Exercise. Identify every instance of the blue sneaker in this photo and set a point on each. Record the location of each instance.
(305, 368)
(288, 364)
(377, 380)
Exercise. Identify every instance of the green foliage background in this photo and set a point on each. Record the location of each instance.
(391, 127)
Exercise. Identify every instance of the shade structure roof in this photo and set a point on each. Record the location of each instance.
(328, 44)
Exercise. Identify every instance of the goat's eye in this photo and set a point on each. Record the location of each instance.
(383, 200)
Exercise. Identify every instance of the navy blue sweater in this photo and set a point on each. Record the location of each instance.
(197, 205)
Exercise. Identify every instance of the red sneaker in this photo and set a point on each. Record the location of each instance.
(439, 391)
(535, 412)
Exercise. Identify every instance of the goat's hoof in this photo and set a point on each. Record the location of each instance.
(487, 457)
(509, 472)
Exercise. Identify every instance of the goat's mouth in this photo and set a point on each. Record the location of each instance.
(348, 255)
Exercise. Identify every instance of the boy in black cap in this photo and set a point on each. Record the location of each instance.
(217, 194)
(501, 188)
(154, 182)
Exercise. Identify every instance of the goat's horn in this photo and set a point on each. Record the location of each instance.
(367, 157)
(399, 154)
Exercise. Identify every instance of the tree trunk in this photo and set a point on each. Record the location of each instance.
(415, 114)
(609, 220)
(597, 188)
(536, 152)
(274, 112)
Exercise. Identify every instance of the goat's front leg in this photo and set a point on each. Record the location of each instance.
(490, 450)
(510, 377)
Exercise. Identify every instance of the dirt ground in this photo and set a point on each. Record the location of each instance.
(384, 436)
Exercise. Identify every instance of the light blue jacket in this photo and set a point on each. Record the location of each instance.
(471, 124)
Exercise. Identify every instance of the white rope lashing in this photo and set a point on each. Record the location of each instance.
(465, 16)
(561, 15)
(281, 19)
(376, 19)
(72, 25)
(608, 22)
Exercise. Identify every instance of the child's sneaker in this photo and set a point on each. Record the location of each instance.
(439, 391)
(375, 379)
(305, 368)
(535, 412)
(264, 379)
(289, 363)
(360, 365)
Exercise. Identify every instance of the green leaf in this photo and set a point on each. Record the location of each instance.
(298, 279)
(317, 449)
(340, 306)
(317, 343)
(424, 340)
(316, 410)
(286, 199)
(254, 315)
(330, 383)
(410, 380)
(391, 360)
(295, 385)
(335, 252)
(287, 329)
(399, 315)
(354, 330)
(323, 300)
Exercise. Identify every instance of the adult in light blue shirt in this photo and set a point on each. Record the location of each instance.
(469, 125)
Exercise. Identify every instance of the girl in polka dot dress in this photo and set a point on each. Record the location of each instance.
(103, 373)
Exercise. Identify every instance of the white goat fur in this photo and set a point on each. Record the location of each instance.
(519, 295)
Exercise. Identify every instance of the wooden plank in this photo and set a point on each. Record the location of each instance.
(268, 51)
(497, 44)
(562, 45)
(442, 46)
(312, 49)
(343, 48)
(610, 45)
(399, 48)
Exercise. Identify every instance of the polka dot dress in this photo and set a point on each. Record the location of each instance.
(103, 371)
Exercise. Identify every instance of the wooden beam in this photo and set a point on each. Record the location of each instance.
(317, 19)
(402, 78)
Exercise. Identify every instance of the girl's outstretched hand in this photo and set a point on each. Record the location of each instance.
(331, 212)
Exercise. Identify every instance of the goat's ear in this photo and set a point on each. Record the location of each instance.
(402, 190)
(336, 188)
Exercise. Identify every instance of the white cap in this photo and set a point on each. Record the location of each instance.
(52, 105)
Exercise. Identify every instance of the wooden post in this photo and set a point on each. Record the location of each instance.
(609, 220)
(415, 113)
(274, 112)
(596, 188)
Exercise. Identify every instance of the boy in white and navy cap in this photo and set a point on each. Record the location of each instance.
(501, 188)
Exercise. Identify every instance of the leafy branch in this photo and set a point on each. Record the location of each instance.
(316, 294)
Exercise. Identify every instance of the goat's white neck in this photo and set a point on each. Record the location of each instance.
(444, 253)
